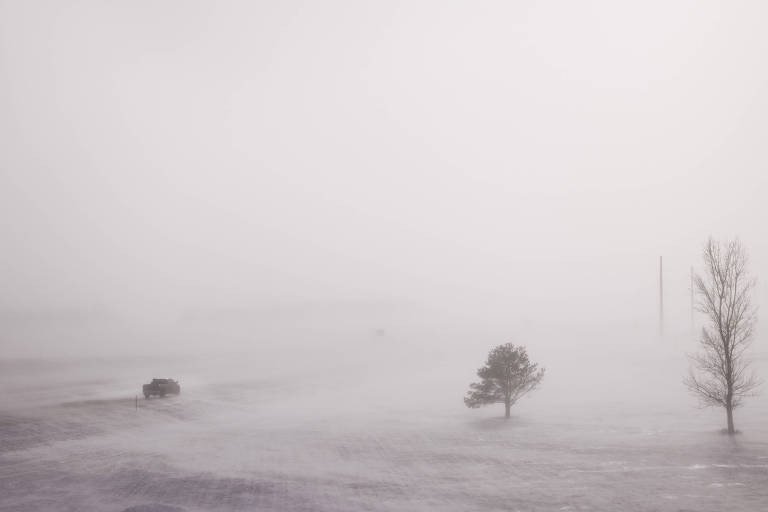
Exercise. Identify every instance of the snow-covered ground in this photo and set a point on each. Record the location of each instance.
(72, 439)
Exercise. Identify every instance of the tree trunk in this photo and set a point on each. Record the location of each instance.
(507, 406)
(729, 411)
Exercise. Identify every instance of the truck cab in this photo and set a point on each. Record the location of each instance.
(161, 387)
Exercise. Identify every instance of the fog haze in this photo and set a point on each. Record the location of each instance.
(320, 216)
(428, 177)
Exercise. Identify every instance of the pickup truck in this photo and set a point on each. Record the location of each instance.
(161, 387)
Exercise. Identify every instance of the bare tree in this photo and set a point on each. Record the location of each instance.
(506, 376)
(720, 374)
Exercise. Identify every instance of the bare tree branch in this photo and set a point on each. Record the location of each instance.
(719, 375)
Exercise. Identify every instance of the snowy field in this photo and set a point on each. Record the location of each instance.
(71, 439)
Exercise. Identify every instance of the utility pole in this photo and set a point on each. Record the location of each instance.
(661, 296)
(693, 307)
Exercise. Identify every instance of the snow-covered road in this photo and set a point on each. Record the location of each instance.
(261, 445)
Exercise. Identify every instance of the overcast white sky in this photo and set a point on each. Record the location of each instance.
(359, 165)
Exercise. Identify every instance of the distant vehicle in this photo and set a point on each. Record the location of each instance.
(161, 387)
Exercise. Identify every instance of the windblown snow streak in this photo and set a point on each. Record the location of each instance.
(260, 445)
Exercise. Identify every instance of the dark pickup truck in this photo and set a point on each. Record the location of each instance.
(161, 387)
